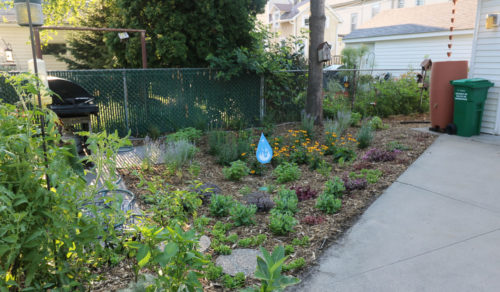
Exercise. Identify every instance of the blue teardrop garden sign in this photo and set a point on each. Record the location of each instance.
(264, 150)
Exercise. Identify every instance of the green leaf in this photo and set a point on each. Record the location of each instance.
(171, 250)
(143, 256)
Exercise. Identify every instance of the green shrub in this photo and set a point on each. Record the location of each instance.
(189, 134)
(295, 264)
(289, 249)
(213, 272)
(242, 214)
(269, 272)
(287, 172)
(220, 205)
(324, 168)
(335, 187)
(178, 153)
(344, 154)
(365, 136)
(245, 190)
(222, 249)
(328, 203)
(376, 123)
(304, 241)
(228, 147)
(355, 118)
(392, 97)
(237, 281)
(372, 176)
(333, 104)
(396, 145)
(236, 171)
(281, 224)
(286, 202)
(252, 241)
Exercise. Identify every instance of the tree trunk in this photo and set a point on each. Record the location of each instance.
(314, 101)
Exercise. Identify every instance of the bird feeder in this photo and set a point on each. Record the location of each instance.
(324, 54)
(22, 12)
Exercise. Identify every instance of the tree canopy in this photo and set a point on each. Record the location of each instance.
(179, 33)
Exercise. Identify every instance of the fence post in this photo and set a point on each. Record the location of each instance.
(125, 99)
(262, 100)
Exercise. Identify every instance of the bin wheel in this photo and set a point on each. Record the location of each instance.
(451, 129)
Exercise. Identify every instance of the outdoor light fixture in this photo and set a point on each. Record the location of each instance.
(123, 35)
(8, 55)
(22, 12)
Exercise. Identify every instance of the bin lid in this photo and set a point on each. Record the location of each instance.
(472, 83)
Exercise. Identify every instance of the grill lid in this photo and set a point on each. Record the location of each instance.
(68, 91)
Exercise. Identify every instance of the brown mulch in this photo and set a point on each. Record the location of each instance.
(321, 235)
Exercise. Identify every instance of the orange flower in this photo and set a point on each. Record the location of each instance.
(243, 154)
(252, 171)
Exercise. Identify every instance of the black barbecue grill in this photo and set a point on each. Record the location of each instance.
(71, 99)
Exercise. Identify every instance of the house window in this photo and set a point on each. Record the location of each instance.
(401, 3)
(354, 21)
(327, 21)
(276, 18)
(419, 2)
(305, 21)
(375, 9)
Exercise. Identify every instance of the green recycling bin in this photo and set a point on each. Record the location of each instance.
(469, 96)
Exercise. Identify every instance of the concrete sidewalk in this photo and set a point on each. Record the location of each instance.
(437, 228)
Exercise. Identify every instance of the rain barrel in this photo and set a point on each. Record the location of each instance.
(441, 91)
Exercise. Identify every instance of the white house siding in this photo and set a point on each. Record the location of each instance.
(486, 64)
(409, 53)
(18, 37)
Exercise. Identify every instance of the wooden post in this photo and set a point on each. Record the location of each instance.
(38, 46)
(143, 48)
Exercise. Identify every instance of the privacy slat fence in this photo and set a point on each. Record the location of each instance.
(164, 100)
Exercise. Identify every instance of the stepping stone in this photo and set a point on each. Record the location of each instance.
(204, 243)
(240, 260)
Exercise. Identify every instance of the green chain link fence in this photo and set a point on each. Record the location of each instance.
(164, 100)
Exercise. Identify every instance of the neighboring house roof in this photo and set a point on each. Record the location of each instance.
(421, 19)
(284, 7)
(7, 15)
(294, 11)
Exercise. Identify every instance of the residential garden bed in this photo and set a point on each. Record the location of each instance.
(315, 230)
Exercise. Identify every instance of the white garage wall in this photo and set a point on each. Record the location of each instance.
(409, 53)
(486, 64)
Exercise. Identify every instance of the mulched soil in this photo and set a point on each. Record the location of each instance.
(321, 235)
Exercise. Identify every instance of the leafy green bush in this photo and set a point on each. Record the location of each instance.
(220, 205)
(335, 187)
(213, 272)
(328, 203)
(269, 272)
(189, 134)
(178, 153)
(47, 236)
(289, 249)
(287, 172)
(236, 171)
(281, 224)
(376, 123)
(344, 154)
(355, 118)
(252, 241)
(365, 136)
(178, 265)
(286, 202)
(237, 281)
(372, 176)
(392, 97)
(228, 146)
(242, 214)
(304, 241)
(344, 121)
(295, 264)
(396, 145)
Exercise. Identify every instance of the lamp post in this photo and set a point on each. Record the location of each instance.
(29, 13)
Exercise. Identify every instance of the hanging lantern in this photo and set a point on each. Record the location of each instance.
(22, 12)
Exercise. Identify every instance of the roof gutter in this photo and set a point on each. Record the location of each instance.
(408, 36)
